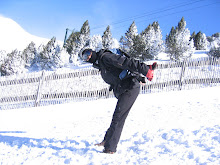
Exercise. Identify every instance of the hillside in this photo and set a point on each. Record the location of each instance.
(13, 36)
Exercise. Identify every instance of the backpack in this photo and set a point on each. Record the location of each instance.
(125, 73)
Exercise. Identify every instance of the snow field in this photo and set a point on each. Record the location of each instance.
(180, 127)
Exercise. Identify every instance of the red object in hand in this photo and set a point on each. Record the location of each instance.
(150, 73)
(154, 66)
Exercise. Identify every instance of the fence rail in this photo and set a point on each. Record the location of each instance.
(44, 88)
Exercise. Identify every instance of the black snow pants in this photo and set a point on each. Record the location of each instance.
(124, 104)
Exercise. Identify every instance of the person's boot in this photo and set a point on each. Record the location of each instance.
(100, 144)
(106, 151)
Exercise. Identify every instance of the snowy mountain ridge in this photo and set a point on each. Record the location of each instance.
(13, 36)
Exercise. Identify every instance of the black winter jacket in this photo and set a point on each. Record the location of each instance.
(111, 65)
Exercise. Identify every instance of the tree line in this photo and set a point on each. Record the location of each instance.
(178, 44)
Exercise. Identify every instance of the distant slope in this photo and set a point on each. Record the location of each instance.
(13, 36)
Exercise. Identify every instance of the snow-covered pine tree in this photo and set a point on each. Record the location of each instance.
(181, 25)
(3, 55)
(77, 41)
(200, 41)
(214, 45)
(28, 54)
(178, 43)
(214, 41)
(37, 59)
(95, 43)
(152, 36)
(138, 50)
(85, 33)
(185, 45)
(84, 37)
(115, 44)
(171, 43)
(147, 36)
(107, 38)
(72, 41)
(214, 52)
(193, 35)
(50, 56)
(13, 64)
(158, 43)
(127, 41)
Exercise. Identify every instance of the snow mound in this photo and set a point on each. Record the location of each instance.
(13, 36)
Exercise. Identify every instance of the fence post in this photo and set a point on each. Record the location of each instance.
(38, 98)
(182, 74)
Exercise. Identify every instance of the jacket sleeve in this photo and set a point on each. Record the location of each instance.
(122, 62)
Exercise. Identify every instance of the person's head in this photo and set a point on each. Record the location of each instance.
(88, 55)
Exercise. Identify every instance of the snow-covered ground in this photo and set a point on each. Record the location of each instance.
(180, 127)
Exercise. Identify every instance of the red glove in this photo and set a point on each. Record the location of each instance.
(150, 73)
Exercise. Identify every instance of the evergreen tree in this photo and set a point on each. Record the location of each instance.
(85, 32)
(2, 59)
(72, 41)
(200, 41)
(193, 36)
(49, 57)
(84, 36)
(216, 35)
(127, 41)
(123, 44)
(95, 43)
(214, 41)
(148, 37)
(181, 25)
(77, 41)
(115, 44)
(171, 44)
(178, 43)
(13, 64)
(138, 50)
(214, 52)
(152, 36)
(28, 54)
(107, 38)
(3, 55)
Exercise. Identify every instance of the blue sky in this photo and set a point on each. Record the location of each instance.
(48, 18)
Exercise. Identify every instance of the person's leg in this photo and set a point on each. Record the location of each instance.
(124, 104)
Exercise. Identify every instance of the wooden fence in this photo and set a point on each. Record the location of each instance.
(45, 88)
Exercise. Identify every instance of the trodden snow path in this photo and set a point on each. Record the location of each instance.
(180, 127)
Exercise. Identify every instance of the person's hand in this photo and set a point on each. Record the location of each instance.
(150, 73)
